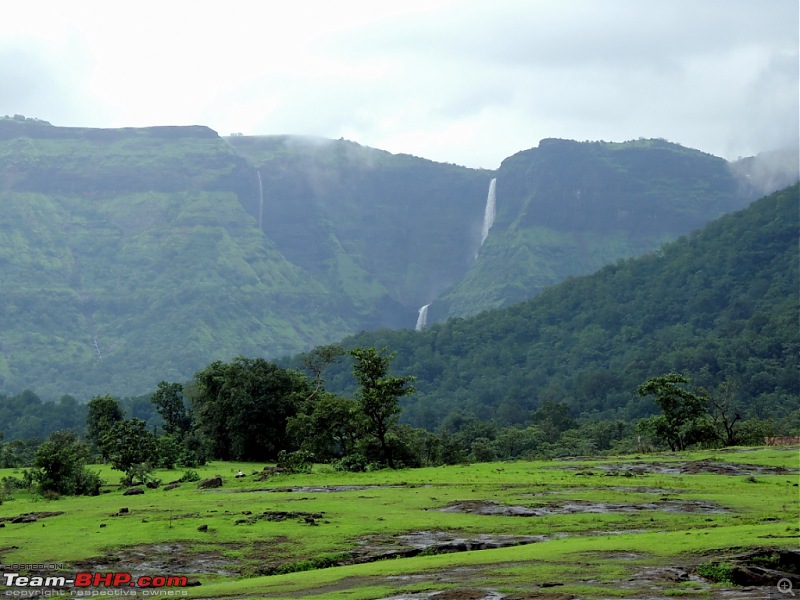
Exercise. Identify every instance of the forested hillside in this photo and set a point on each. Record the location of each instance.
(127, 256)
(130, 256)
(719, 305)
(375, 227)
(568, 208)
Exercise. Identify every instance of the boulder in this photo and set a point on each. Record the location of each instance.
(213, 482)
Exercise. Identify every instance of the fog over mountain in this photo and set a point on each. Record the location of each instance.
(460, 81)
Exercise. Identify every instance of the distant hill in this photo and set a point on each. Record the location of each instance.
(568, 208)
(135, 255)
(719, 305)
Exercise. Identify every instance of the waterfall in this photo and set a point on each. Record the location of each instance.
(422, 319)
(260, 201)
(489, 213)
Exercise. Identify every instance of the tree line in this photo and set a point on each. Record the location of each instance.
(254, 410)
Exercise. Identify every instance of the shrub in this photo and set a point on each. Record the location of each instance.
(716, 572)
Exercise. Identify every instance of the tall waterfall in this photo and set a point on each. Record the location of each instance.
(260, 200)
(422, 319)
(489, 213)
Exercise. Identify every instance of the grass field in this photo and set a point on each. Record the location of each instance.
(621, 527)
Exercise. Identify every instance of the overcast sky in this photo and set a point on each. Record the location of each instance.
(461, 81)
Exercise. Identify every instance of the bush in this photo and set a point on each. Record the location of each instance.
(716, 572)
(356, 463)
(189, 476)
(60, 467)
(299, 461)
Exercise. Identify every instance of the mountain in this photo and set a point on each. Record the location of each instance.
(388, 232)
(719, 305)
(130, 256)
(127, 258)
(568, 208)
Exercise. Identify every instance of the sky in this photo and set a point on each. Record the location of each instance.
(458, 81)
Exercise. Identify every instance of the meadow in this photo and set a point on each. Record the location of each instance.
(654, 525)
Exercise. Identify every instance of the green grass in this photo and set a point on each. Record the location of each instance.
(587, 554)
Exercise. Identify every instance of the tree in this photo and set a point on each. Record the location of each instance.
(378, 394)
(684, 412)
(243, 407)
(168, 400)
(724, 413)
(102, 413)
(317, 359)
(553, 418)
(60, 466)
(132, 448)
(327, 425)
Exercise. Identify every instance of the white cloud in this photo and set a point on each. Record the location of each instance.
(462, 81)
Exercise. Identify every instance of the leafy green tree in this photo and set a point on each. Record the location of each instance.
(519, 443)
(327, 425)
(318, 359)
(242, 407)
(132, 448)
(60, 466)
(553, 418)
(103, 412)
(378, 394)
(169, 402)
(684, 412)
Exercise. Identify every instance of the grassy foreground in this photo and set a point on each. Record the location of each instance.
(622, 527)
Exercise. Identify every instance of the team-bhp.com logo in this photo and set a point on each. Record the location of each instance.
(109, 583)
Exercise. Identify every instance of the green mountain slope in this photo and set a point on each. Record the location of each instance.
(568, 208)
(371, 225)
(719, 305)
(127, 258)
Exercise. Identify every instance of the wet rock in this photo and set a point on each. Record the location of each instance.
(33, 516)
(134, 491)
(24, 519)
(171, 486)
(203, 527)
(279, 515)
(213, 482)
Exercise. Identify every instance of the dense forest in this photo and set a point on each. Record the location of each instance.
(711, 318)
(719, 305)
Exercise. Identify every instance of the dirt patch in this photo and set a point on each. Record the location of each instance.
(30, 517)
(488, 507)
(681, 468)
(467, 594)
(312, 489)
(759, 567)
(281, 515)
(636, 489)
(189, 559)
(434, 542)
